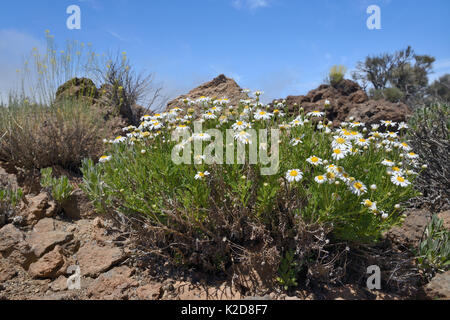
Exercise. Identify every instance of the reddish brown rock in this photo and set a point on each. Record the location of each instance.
(43, 242)
(220, 87)
(149, 292)
(439, 287)
(60, 284)
(94, 259)
(348, 99)
(112, 285)
(39, 207)
(14, 247)
(411, 232)
(7, 270)
(10, 236)
(49, 265)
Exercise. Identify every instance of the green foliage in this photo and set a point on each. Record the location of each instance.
(10, 198)
(336, 74)
(92, 183)
(60, 189)
(9, 201)
(391, 94)
(434, 249)
(288, 271)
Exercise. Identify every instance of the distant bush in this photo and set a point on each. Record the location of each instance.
(391, 94)
(336, 74)
(35, 136)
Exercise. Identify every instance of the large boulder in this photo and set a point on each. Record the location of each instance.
(220, 87)
(77, 88)
(348, 100)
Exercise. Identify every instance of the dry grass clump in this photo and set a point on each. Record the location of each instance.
(430, 137)
(35, 136)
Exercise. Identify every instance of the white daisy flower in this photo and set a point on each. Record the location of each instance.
(356, 124)
(398, 180)
(278, 112)
(370, 204)
(201, 175)
(104, 159)
(209, 116)
(119, 139)
(340, 143)
(296, 123)
(404, 146)
(362, 142)
(388, 163)
(412, 155)
(262, 115)
(243, 137)
(240, 125)
(394, 171)
(388, 123)
(315, 114)
(402, 125)
(320, 179)
(201, 137)
(358, 188)
(294, 175)
(294, 142)
(339, 153)
(315, 161)
(155, 125)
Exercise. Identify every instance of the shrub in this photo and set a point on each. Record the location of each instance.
(430, 137)
(336, 74)
(122, 88)
(392, 94)
(343, 183)
(9, 200)
(434, 249)
(60, 189)
(36, 136)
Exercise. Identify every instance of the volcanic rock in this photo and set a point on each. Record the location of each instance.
(220, 87)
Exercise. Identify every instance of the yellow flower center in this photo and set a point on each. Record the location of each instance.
(400, 179)
(294, 173)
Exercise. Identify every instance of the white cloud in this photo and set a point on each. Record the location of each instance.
(250, 4)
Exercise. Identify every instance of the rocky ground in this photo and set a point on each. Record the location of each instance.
(39, 249)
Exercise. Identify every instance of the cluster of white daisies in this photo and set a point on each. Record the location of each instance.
(349, 139)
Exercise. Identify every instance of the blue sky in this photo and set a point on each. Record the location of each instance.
(279, 46)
